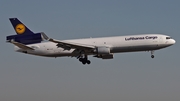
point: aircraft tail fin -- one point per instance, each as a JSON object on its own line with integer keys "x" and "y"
{"x": 24, "y": 35}
{"x": 19, "y": 27}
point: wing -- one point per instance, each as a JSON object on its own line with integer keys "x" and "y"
{"x": 69, "y": 45}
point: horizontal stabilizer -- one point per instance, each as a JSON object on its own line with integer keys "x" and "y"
{"x": 22, "y": 46}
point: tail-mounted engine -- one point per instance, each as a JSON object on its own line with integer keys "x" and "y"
{"x": 26, "y": 39}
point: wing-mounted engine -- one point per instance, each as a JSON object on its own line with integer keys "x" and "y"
{"x": 103, "y": 52}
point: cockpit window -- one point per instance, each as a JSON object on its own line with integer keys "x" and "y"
{"x": 168, "y": 37}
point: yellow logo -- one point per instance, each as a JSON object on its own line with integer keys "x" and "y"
{"x": 20, "y": 28}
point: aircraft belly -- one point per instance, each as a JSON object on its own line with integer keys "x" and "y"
{"x": 134, "y": 48}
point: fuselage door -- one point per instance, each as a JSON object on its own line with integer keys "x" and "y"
{"x": 160, "y": 40}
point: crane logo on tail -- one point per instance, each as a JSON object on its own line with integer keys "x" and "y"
{"x": 20, "y": 28}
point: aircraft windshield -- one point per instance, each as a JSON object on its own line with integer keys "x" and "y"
{"x": 168, "y": 37}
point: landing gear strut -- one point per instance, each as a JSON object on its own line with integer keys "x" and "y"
{"x": 152, "y": 54}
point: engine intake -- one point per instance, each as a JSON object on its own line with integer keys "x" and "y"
{"x": 102, "y": 50}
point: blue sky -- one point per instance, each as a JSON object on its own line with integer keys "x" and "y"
{"x": 128, "y": 77}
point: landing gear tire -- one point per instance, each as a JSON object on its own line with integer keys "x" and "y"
{"x": 88, "y": 62}
{"x": 80, "y": 59}
{"x": 152, "y": 56}
{"x": 84, "y": 61}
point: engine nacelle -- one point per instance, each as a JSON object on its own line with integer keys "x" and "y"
{"x": 102, "y": 50}
{"x": 105, "y": 56}
{"x": 110, "y": 56}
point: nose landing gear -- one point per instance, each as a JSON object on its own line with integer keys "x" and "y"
{"x": 152, "y": 54}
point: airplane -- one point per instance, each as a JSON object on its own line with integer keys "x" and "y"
{"x": 40, "y": 44}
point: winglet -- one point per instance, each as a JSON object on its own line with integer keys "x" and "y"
{"x": 44, "y": 36}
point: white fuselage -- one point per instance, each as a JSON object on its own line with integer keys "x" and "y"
{"x": 117, "y": 44}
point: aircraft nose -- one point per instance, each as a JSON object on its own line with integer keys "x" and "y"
{"x": 173, "y": 41}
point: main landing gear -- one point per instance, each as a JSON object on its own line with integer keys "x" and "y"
{"x": 152, "y": 54}
{"x": 84, "y": 59}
